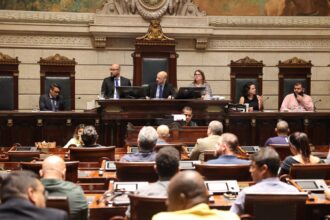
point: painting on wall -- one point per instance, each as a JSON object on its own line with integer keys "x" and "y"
{"x": 211, "y": 7}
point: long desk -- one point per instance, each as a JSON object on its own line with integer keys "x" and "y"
{"x": 112, "y": 118}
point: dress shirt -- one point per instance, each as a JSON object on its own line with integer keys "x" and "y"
{"x": 277, "y": 140}
{"x": 270, "y": 185}
{"x": 200, "y": 211}
{"x": 142, "y": 156}
{"x": 291, "y": 104}
{"x": 228, "y": 159}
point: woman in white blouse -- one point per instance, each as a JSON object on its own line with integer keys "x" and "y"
{"x": 76, "y": 139}
{"x": 200, "y": 81}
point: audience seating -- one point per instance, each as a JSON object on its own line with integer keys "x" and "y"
{"x": 283, "y": 150}
{"x": 94, "y": 154}
{"x": 224, "y": 171}
{"x": 71, "y": 169}
{"x": 275, "y": 206}
{"x": 143, "y": 208}
{"x": 210, "y": 155}
{"x": 136, "y": 171}
{"x": 310, "y": 171}
{"x": 58, "y": 202}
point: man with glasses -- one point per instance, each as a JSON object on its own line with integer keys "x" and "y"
{"x": 110, "y": 83}
{"x": 23, "y": 197}
{"x": 53, "y": 101}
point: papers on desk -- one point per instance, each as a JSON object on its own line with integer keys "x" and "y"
{"x": 179, "y": 117}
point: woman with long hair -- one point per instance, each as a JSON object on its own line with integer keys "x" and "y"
{"x": 250, "y": 96}
{"x": 200, "y": 81}
{"x": 76, "y": 139}
{"x": 301, "y": 151}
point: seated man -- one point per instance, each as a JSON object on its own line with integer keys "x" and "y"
{"x": 53, "y": 173}
{"x": 209, "y": 143}
{"x": 188, "y": 199}
{"x": 90, "y": 136}
{"x": 264, "y": 169}
{"x": 297, "y": 101}
{"x": 147, "y": 140}
{"x": 167, "y": 165}
{"x": 227, "y": 146}
{"x": 282, "y": 130}
{"x": 161, "y": 88}
{"x": 23, "y": 197}
{"x": 187, "y": 111}
{"x": 163, "y": 132}
{"x": 53, "y": 101}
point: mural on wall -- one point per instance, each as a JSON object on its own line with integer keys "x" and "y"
{"x": 211, "y": 7}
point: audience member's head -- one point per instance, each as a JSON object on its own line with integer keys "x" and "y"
{"x": 215, "y": 128}
{"x": 167, "y": 162}
{"x": 227, "y": 144}
{"x": 186, "y": 189}
{"x": 23, "y": 185}
{"x": 265, "y": 164}
{"x": 147, "y": 138}
{"x": 299, "y": 144}
{"x": 78, "y": 131}
{"x": 89, "y": 135}
{"x": 53, "y": 167}
{"x": 163, "y": 131}
{"x": 187, "y": 111}
{"x": 282, "y": 128}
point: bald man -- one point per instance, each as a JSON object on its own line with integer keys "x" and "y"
{"x": 53, "y": 174}
{"x": 161, "y": 88}
{"x": 227, "y": 147}
{"x": 163, "y": 132}
{"x": 282, "y": 130}
{"x": 214, "y": 131}
{"x": 188, "y": 199}
{"x": 114, "y": 80}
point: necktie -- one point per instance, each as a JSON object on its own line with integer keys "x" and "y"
{"x": 160, "y": 91}
{"x": 53, "y": 105}
{"x": 116, "y": 85}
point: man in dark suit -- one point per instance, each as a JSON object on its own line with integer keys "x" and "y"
{"x": 114, "y": 80}
{"x": 52, "y": 101}
{"x": 160, "y": 88}
{"x": 22, "y": 197}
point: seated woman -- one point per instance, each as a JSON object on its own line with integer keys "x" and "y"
{"x": 76, "y": 139}
{"x": 299, "y": 147}
{"x": 200, "y": 81}
{"x": 250, "y": 96}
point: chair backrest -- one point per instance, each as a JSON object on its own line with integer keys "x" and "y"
{"x": 210, "y": 155}
{"x": 143, "y": 208}
{"x": 276, "y": 206}
{"x": 224, "y": 171}
{"x": 310, "y": 171}
{"x": 92, "y": 154}
{"x": 58, "y": 202}
{"x": 283, "y": 150}
{"x": 71, "y": 169}
{"x": 136, "y": 171}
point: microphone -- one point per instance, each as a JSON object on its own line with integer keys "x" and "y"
{"x": 315, "y": 103}
{"x": 265, "y": 99}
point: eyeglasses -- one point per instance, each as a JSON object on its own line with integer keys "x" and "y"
{"x": 113, "y": 69}
{"x": 56, "y": 91}
{"x": 197, "y": 74}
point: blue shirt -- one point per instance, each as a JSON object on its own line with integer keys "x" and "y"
{"x": 148, "y": 156}
{"x": 277, "y": 140}
{"x": 228, "y": 159}
{"x": 269, "y": 185}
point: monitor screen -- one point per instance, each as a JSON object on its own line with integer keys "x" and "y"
{"x": 130, "y": 187}
{"x": 131, "y": 92}
{"x": 217, "y": 187}
{"x": 187, "y": 165}
{"x": 307, "y": 184}
{"x": 190, "y": 92}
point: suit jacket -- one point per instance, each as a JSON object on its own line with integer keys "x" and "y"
{"x": 46, "y": 105}
{"x": 203, "y": 144}
{"x": 168, "y": 90}
{"x": 108, "y": 85}
{"x": 22, "y": 209}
